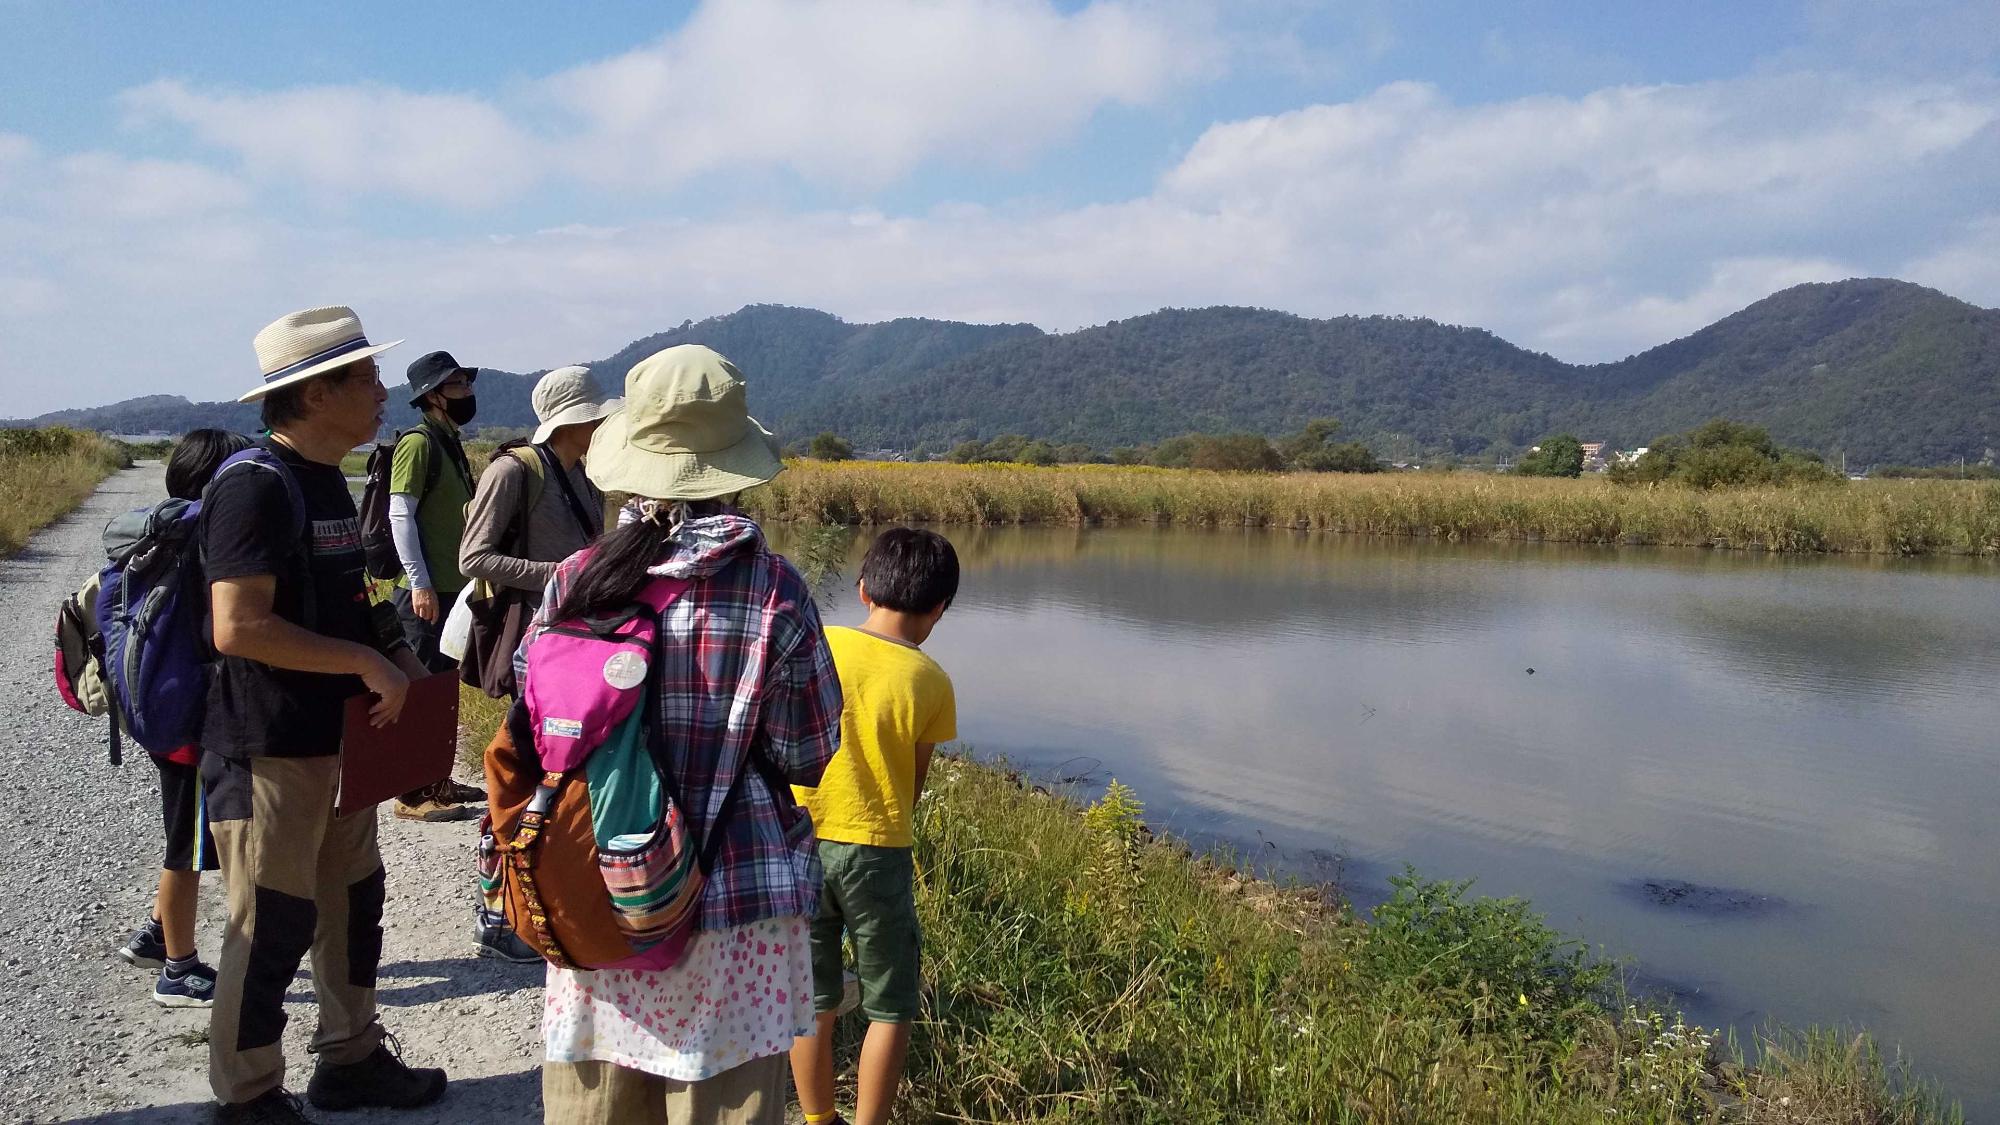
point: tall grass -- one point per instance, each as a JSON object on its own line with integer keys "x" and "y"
{"x": 1078, "y": 971}
{"x": 45, "y": 473}
{"x": 1876, "y": 517}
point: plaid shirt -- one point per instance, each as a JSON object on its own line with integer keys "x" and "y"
{"x": 744, "y": 665}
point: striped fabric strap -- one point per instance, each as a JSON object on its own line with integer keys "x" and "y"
{"x": 334, "y": 352}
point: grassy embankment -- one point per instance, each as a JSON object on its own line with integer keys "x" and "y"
{"x": 1077, "y": 969}
{"x": 1877, "y": 517}
{"x": 44, "y": 473}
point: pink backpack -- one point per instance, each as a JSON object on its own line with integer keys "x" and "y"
{"x": 585, "y": 683}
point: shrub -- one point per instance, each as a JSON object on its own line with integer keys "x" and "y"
{"x": 829, "y": 446}
{"x": 1558, "y": 456}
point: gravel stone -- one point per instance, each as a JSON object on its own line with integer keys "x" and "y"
{"x": 78, "y": 875}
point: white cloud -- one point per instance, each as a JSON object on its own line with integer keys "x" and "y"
{"x": 355, "y": 140}
{"x": 1967, "y": 266}
{"x": 858, "y": 92}
{"x": 853, "y": 93}
{"x": 1589, "y": 227}
{"x": 1593, "y": 225}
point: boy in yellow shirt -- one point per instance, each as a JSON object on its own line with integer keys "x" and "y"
{"x": 899, "y": 706}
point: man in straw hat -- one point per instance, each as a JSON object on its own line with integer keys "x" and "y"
{"x": 746, "y": 704}
{"x": 298, "y": 637}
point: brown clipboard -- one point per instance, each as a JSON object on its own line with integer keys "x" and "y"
{"x": 377, "y": 763}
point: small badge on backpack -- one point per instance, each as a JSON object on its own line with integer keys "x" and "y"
{"x": 562, "y": 728}
{"x": 625, "y": 670}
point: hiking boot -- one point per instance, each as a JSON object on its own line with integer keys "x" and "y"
{"x": 381, "y": 1079}
{"x": 452, "y": 793}
{"x": 148, "y": 947}
{"x": 491, "y": 937}
{"x": 272, "y": 1107}
{"x": 430, "y": 804}
{"x": 192, "y": 989}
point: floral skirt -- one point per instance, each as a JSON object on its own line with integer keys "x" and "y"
{"x": 737, "y": 995}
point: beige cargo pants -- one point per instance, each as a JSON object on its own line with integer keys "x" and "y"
{"x": 300, "y": 879}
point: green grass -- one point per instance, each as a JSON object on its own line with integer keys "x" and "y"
{"x": 46, "y": 473}
{"x": 1078, "y": 969}
{"x": 1874, "y": 517}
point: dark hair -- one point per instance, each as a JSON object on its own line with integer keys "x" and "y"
{"x": 196, "y": 457}
{"x": 616, "y": 572}
{"x": 288, "y": 403}
{"x": 911, "y": 570}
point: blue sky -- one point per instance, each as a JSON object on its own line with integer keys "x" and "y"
{"x": 530, "y": 185}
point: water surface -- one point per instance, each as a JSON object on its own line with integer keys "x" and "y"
{"x": 1818, "y": 731}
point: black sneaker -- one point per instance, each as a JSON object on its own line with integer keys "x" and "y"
{"x": 148, "y": 947}
{"x": 491, "y": 937}
{"x": 273, "y": 1107}
{"x": 381, "y": 1079}
{"x": 192, "y": 989}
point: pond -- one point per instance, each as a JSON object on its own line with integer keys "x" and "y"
{"x": 1769, "y": 782}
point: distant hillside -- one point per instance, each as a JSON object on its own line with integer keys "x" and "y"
{"x": 1881, "y": 370}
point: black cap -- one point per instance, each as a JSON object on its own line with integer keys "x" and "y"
{"x": 430, "y": 371}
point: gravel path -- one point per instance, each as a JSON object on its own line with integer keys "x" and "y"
{"x": 77, "y": 872}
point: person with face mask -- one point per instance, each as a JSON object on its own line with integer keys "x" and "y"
{"x": 430, "y": 484}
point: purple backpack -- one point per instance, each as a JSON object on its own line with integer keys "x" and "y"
{"x": 151, "y": 600}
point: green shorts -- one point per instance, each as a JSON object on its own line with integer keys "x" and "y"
{"x": 871, "y": 893}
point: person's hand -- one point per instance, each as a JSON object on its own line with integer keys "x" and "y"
{"x": 389, "y": 686}
{"x": 424, "y": 603}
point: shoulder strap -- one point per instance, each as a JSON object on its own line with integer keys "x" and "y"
{"x": 432, "y": 467}
{"x": 270, "y": 462}
{"x": 518, "y": 545}
{"x": 657, "y": 596}
{"x": 577, "y": 508}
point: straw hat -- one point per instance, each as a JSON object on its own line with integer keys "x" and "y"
{"x": 566, "y": 396}
{"x": 684, "y": 433}
{"x": 297, "y": 346}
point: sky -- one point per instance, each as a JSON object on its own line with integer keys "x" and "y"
{"x": 529, "y": 185}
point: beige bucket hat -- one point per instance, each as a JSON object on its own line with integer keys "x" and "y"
{"x": 297, "y": 346}
{"x": 685, "y": 432}
{"x": 566, "y": 396}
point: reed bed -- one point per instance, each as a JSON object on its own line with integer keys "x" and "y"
{"x": 1904, "y": 517}
{"x": 47, "y": 472}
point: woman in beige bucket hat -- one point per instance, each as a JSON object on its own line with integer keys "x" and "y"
{"x": 743, "y": 703}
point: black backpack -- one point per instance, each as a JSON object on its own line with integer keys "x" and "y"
{"x": 378, "y": 546}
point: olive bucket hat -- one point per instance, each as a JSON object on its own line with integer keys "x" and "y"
{"x": 685, "y": 432}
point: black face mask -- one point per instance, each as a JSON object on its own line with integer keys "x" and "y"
{"x": 461, "y": 410}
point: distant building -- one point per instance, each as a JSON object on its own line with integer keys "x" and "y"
{"x": 1593, "y": 456}
{"x": 1631, "y": 455}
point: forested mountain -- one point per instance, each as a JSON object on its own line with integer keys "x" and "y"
{"x": 1878, "y": 370}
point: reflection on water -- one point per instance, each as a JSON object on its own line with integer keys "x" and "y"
{"x": 1816, "y": 730}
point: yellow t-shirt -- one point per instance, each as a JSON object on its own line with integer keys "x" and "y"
{"x": 895, "y": 698}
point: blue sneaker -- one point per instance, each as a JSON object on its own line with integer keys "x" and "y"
{"x": 148, "y": 947}
{"x": 192, "y": 989}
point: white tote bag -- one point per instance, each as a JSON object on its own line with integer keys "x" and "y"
{"x": 458, "y": 624}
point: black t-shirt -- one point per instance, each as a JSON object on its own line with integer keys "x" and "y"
{"x": 248, "y": 528}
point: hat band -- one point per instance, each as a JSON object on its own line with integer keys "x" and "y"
{"x": 334, "y": 352}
